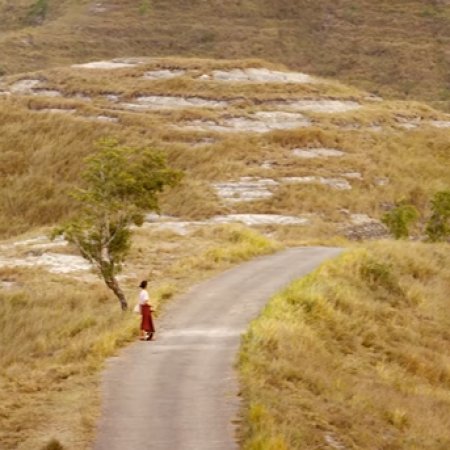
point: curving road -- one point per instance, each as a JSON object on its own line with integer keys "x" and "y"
{"x": 180, "y": 391}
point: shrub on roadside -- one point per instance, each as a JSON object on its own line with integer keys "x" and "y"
{"x": 438, "y": 226}
{"x": 400, "y": 219}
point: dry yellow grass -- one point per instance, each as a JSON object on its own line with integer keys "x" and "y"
{"x": 396, "y": 47}
{"x": 354, "y": 355}
{"x": 56, "y": 331}
{"x": 40, "y": 164}
{"x": 45, "y": 373}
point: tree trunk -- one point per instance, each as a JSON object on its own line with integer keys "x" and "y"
{"x": 113, "y": 284}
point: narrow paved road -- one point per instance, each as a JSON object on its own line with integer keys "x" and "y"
{"x": 180, "y": 391}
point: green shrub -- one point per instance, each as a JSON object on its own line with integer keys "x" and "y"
{"x": 377, "y": 274}
{"x": 38, "y": 11}
{"x": 400, "y": 219}
{"x": 144, "y": 7}
{"x": 438, "y": 226}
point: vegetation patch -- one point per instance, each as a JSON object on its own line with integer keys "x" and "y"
{"x": 247, "y": 138}
{"x": 352, "y": 41}
{"x": 57, "y": 330}
{"x": 354, "y": 356}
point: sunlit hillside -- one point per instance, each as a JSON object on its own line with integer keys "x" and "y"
{"x": 397, "y": 48}
{"x": 250, "y": 140}
{"x": 300, "y": 158}
{"x": 294, "y": 123}
{"x": 354, "y": 356}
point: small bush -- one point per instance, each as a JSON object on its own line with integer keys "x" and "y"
{"x": 54, "y": 444}
{"x": 400, "y": 219}
{"x": 438, "y": 226}
{"x": 38, "y": 11}
{"x": 377, "y": 275}
{"x": 144, "y": 7}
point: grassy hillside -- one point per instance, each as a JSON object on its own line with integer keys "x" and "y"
{"x": 354, "y": 356}
{"x": 390, "y": 150}
{"x": 57, "y": 329}
{"x": 392, "y": 47}
{"x": 247, "y": 147}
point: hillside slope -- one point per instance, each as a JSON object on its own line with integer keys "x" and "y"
{"x": 252, "y": 138}
{"x": 396, "y": 48}
{"x": 354, "y": 356}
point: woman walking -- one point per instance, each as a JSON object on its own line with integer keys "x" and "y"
{"x": 147, "y": 326}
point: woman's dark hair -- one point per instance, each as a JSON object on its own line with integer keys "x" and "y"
{"x": 143, "y": 284}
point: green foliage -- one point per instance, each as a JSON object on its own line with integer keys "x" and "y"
{"x": 438, "y": 226}
{"x": 120, "y": 185}
{"x": 144, "y": 7}
{"x": 38, "y": 11}
{"x": 379, "y": 275}
{"x": 124, "y": 181}
{"x": 400, "y": 219}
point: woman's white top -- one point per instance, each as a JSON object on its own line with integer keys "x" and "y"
{"x": 143, "y": 297}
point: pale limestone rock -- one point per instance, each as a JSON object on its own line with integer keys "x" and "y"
{"x": 38, "y": 242}
{"x": 409, "y": 123}
{"x": 352, "y": 175}
{"x": 319, "y": 106}
{"x": 440, "y": 123}
{"x": 309, "y": 153}
{"x": 105, "y": 65}
{"x": 340, "y": 184}
{"x": 259, "y": 122}
{"x": 84, "y": 97}
{"x": 112, "y": 97}
{"x": 167, "y": 102}
{"x": 245, "y": 189}
{"x": 56, "y": 110}
{"x": 103, "y": 118}
{"x": 164, "y": 74}
{"x": 260, "y": 219}
{"x": 362, "y": 219}
{"x": 254, "y": 75}
{"x": 47, "y": 92}
{"x": 24, "y": 86}
{"x": 5, "y": 284}
{"x": 53, "y": 262}
{"x": 382, "y": 181}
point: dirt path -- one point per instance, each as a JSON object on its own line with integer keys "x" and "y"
{"x": 180, "y": 391}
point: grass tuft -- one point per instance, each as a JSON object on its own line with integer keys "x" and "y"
{"x": 54, "y": 444}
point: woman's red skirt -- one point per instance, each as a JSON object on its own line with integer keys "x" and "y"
{"x": 147, "y": 320}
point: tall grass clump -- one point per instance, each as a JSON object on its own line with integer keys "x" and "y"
{"x": 438, "y": 226}
{"x": 236, "y": 244}
{"x": 55, "y": 337}
{"x": 38, "y": 11}
{"x": 354, "y": 355}
{"x": 241, "y": 244}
